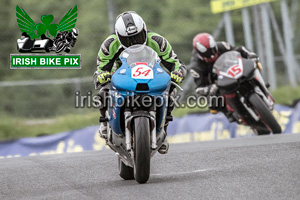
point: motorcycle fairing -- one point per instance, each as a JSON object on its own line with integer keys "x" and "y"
{"x": 122, "y": 84}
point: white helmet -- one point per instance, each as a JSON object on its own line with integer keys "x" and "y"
{"x": 75, "y": 32}
{"x": 130, "y": 29}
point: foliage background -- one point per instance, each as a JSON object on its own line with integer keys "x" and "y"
{"x": 175, "y": 20}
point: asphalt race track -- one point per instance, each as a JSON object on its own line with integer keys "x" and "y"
{"x": 265, "y": 167}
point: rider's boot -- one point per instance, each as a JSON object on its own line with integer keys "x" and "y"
{"x": 165, "y": 146}
{"x": 67, "y": 50}
{"x": 213, "y": 111}
{"x": 230, "y": 116}
{"x": 103, "y": 124}
{"x": 103, "y": 130}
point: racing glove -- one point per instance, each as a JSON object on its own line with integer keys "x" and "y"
{"x": 101, "y": 78}
{"x": 253, "y": 57}
{"x": 210, "y": 90}
{"x": 176, "y": 76}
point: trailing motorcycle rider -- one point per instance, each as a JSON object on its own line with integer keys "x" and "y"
{"x": 205, "y": 52}
{"x": 65, "y": 37}
{"x": 130, "y": 29}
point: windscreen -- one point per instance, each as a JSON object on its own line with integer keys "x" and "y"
{"x": 227, "y": 60}
{"x": 140, "y": 54}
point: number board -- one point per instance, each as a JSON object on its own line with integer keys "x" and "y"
{"x": 235, "y": 71}
{"x": 142, "y": 71}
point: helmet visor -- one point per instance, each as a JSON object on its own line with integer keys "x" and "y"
{"x": 211, "y": 52}
{"x": 128, "y": 41}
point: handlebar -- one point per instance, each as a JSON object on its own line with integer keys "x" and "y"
{"x": 176, "y": 85}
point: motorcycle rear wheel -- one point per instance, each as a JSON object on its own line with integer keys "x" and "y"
{"x": 262, "y": 132}
{"x": 142, "y": 153}
{"x": 265, "y": 114}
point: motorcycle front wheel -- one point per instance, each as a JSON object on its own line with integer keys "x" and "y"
{"x": 60, "y": 47}
{"x": 142, "y": 151}
{"x": 264, "y": 114}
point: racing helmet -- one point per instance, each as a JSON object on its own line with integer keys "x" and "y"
{"x": 130, "y": 29}
{"x": 206, "y": 47}
{"x": 75, "y": 32}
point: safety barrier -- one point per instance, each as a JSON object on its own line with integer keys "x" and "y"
{"x": 190, "y": 128}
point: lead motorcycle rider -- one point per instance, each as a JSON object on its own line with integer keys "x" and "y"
{"x": 130, "y": 29}
{"x": 205, "y": 52}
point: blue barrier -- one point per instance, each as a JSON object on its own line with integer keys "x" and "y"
{"x": 190, "y": 128}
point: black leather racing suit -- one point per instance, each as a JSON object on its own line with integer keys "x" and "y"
{"x": 202, "y": 71}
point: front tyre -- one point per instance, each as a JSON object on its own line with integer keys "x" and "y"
{"x": 60, "y": 47}
{"x": 125, "y": 171}
{"x": 142, "y": 151}
{"x": 264, "y": 113}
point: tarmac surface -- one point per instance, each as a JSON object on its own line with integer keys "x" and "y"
{"x": 262, "y": 167}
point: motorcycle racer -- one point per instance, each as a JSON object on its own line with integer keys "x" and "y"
{"x": 130, "y": 29}
{"x": 205, "y": 52}
{"x": 66, "y": 37}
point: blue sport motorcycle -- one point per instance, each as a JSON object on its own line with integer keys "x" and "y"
{"x": 137, "y": 110}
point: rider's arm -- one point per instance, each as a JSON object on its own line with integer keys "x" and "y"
{"x": 199, "y": 71}
{"x": 224, "y": 47}
{"x": 200, "y": 79}
{"x": 165, "y": 52}
{"x": 246, "y": 53}
{"x": 108, "y": 53}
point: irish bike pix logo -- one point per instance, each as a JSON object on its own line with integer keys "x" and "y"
{"x": 38, "y": 40}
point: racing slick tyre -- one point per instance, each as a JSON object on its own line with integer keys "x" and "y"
{"x": 264, "y": 114}
{"x": 125, "y": 171}
{"x": 142, "y": 153}
{"x": 60, "y": 47}
{"x": 262, "y": 132}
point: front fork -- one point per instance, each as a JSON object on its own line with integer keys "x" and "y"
{"x": 153, "y": 132}
{"x": 262, "y": 91}
{"x": 128, "y": 130}
{"x": 128, "y": 119}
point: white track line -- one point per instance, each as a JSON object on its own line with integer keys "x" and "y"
{"x": 182, "y": 173}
